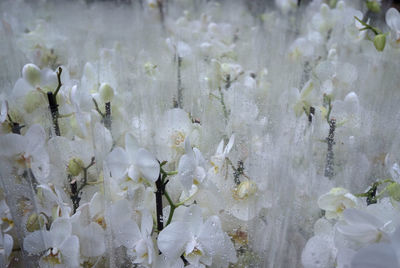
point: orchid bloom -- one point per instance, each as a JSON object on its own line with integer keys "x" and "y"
{"x": 336, "y": 201}
{"x": 218, "y": 160}
{"x": 191, "y": 167}
{"x": 60, "y": 246}
{"x": 133, "y": 161}
{"x": 28, "y": 151}
{"x": 199, "y": 241}
{"x": 393, "y": 21}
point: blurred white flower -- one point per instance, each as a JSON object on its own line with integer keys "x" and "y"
{"x": 134, "y": 161}
{"x": 336, "y": 201}
{"x": 191, "y": 168}
{"x": 59, "y": 245}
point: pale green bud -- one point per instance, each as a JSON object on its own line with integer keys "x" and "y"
{"x": 245, "y": 189}
{"x": 33, "y": 223}
{"x": 394, "y": 191}
{"x": 380, "y": 41}
{"x": 75, "y": 166}
{"x": 33, "y": 100}
{"x": 106, "y": 92}
{"x": 31, "y": 73}
{"x": 374, "y": 6}
{"x": 150, "y": 68}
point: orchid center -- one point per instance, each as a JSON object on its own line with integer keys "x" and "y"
{"x": 178, "y": 138}
{"x": 53, "y": 256}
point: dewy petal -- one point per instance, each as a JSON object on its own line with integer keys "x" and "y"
{"x": 131, "y": 146}
{"x": 318, "y": 252}
{"x": 147, "y": 164}
{"x": 117, "y": 161}
{"x": 229, "y": 145}
{"x": 70, "y": 251}
{"x": 211, "y": 236}
{"x": 41, "y": 164}
{"x": 199, "y": 157}
{"x": 96, "y": 204}
{"x": 3, "y": 111}
{"x": 11, "y": 144}
{"x": 133, "y": 172}
{"x": 37, "y": 242}
{"x": 8, "y": 244}
{"x": 188, "y": 148}
{"x": 120, "y": 211}
{"x": 102, "y": 141}
{"x": 92, "y": 240}
{"x": 146, "y": 224}
{"x": 194, "y": 217}
{"x": 393, "y": 19}
{"x": 36, "y": 137}
{"x": 126, "y": 233}
{"x": 220, "y": 148}
{"x": 172, "y": 239}
{"x": 186, "y": 169}
{"x": 379, "y": 255}
{"x": 60, "y": 230}
{"x": 355, "y": 217}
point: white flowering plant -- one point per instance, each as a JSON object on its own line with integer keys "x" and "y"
{"x": 199, "y": 134}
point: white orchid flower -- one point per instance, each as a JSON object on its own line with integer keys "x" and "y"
{"x": 199, "y": 241}
{"x": 218, "y": 159}
{"x": 362, "y": 227}
{"x": 393, "y": 21}
{"x": 336, "y": 201}
{"x": 126, "y": 232}
{"x": 175, "y": 126}
{"x": 191, "y": 168}
{"x": 59, "y": 245}
{"x": 379, "y": 255}
{"x": 88, "y": 224}
{"x": 133, "y": 161}
{"x": 27, "y": 151}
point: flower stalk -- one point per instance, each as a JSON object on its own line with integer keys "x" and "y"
{"x": 75, "y": 190}
{"x": 53, "y": 106}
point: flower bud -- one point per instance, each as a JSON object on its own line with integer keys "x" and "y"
{"x": 374, "y": 6}
{"x": 31, "y": 74}
{"x": 380, "y": 41}
{"x": 75, "y": 166}
{"x": 106, "y": 92}
{"x": 33, "y": 223}
{"x": 394, "y": 191}
{"x": 245, "y": 189}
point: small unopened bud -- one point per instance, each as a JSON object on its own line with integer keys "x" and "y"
{"x": 33, "y": 223}
{"x": 245, "y": 189}
{"x": 75, "y": 166}
{"x": 31, "y": 74}
{"x": 106, "y": 92}
{"x": 380, "y": 41}
{"x": 152, "y": 3}
{"x": 394, "y": 191}
{"x": 374, "y": 6}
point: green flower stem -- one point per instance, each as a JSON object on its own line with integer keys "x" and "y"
{"x": 368, "y": 27}
{"x": 173, "y": 207}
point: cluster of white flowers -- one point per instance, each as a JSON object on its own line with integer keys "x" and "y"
{"x": 199, "y": 134}
{"x": 359, "y": 230}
